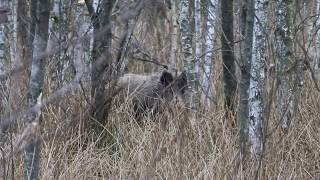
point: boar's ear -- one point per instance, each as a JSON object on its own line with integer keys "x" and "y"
{"x": 166, "y": 78}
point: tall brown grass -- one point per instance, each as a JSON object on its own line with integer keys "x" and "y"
{"x": 168, "y": 147}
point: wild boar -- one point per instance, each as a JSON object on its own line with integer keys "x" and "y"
{"x": 147, "y": 91}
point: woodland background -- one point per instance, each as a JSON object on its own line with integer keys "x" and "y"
{"x": 252, "y": 68}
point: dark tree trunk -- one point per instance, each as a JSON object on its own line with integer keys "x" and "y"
{"x": 230, "y": 83}
{"x": 32, "y": 28}
{"x": 101, "y": 49}
{"x": 32, "y": 151}
{"x": 22, "y": 32}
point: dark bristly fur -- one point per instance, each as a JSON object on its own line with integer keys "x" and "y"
{"x": 146, "y": 91}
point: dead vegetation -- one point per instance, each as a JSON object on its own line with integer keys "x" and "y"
{"x": 168, "y": 148}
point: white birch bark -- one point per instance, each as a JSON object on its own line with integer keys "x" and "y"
{"x": 2, "y": 71}
{"x": 311, "y": 45}
{"x": 95, "y": 4}
{"x": 189, "y": 64}
{"x": 2, "y": 52}
{"x": 4, "y": 6}
{"x": 174, "y": 34}
{"x": 247, "y": 24}
{"x": 197, "y": 28}
{"x": 78, "y": 55}
{"x": 208, "y": 64}
{"x": 257, "y": 80}
{"x": 13, "y": 33}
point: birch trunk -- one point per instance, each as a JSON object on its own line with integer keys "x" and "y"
{"x": 94, "y": 4}
{"x": 13, "y": 31}
{"x": 285, "y": 61}
{"x": 78, "y": 54}
{"x": 227, "y": 38}
{"x": 247, "y": 18}
{"x": 174, "y": 35}
{"x": 256, "y": 118}
{"x": 208, "y": 64}
{"x": 310, "y": 32}
{"x": 2, "y": 54}
{"x": 189, "y": 63}
{"x": 197, "y": 28}
{"x": 310, "y": 18}
{"x": 32, "y": 151}
{"x": 4, "y": 9}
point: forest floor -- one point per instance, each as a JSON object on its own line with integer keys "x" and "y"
{"x": 170, "y": 148}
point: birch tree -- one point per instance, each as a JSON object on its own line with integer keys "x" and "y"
{"x": 246, "y": 26}
{"x": 208, "y": 64}
{"x": 174, "y": 34}
{"x": 256, "y": 119}
{"x": 2, "y": 52}
{"x": 79, "y": 52}
{"x": 285, "y": 61}
{"x": 13, "y": 31}
{"x": 189, "y": 63}
{"x": 32, "y": 151}
{"x": 4, "y": 9}
{"x": 309, "y": 26}
{"x": 2, "y": 55}
{"x": 197, "y": 28}
{"x": 227, "y": 38}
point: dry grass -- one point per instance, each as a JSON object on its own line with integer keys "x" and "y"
{"x": 169, "y": 148}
